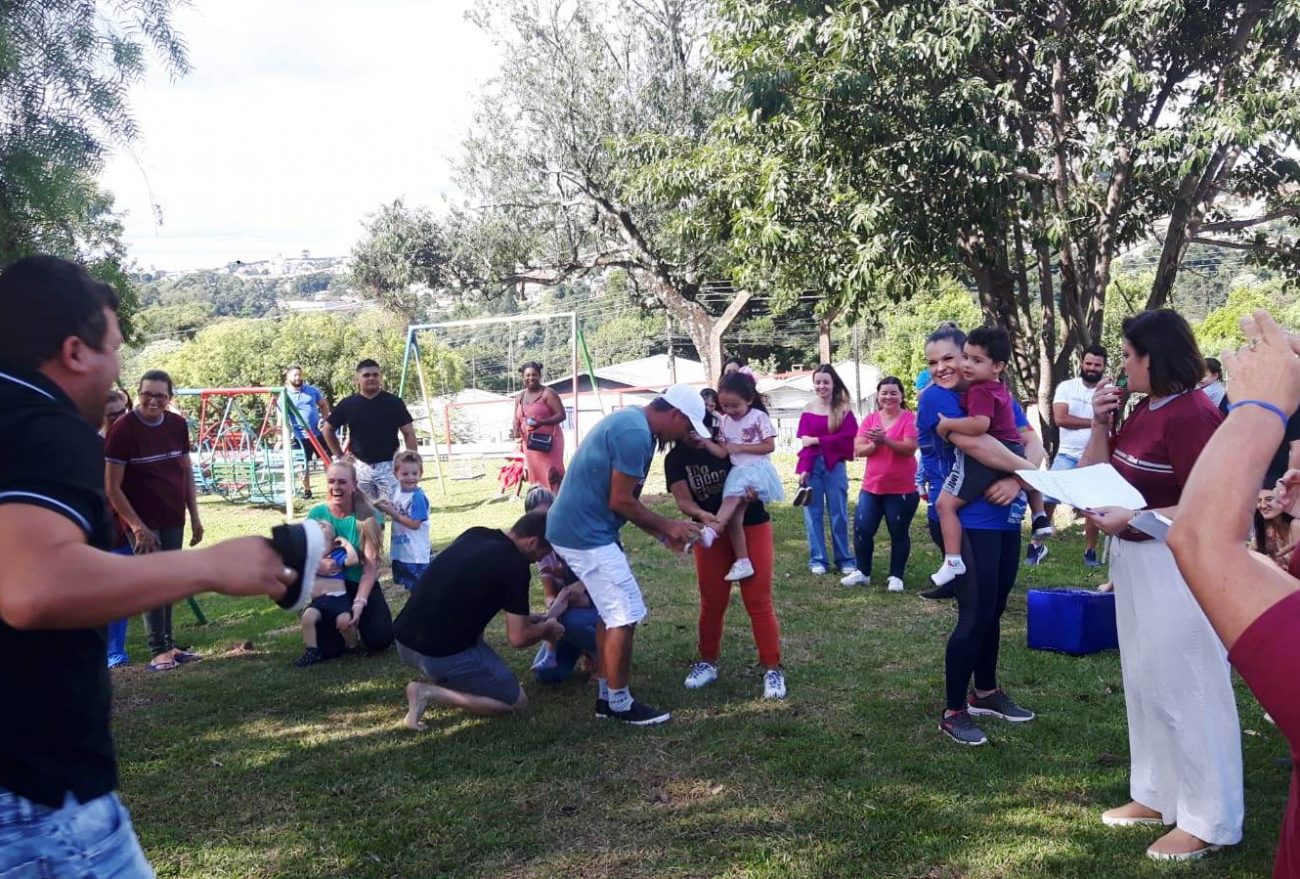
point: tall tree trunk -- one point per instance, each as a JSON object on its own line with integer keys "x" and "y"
{"x": 824, "y": 325}
{"x": 705, "y": 330}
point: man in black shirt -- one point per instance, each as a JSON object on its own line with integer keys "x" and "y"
{"x": 440, "y": 631}
{"x": 59, "y": 341}
{"x": 373, "y": 418}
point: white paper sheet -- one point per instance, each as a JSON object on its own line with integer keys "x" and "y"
{"x": 1151, "y": 522}
{"x": 1086, "y": 488}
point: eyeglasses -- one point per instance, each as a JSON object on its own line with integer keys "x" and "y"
{"x": 151, "y": 396}
{"x": 115, "y": 413}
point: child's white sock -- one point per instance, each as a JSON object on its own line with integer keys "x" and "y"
{"x": 952, "y": 568}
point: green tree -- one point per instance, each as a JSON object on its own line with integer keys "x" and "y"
{"x": 1222, "y": 327}
{"x": 589, "y": 96}
{"x": 1026, "y": 145}
{"x": 66, "y": 68}
{"x": 401, "y": 258}
{"x": 899, "y": 349}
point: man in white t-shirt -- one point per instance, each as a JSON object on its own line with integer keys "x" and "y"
{"x": 1072, "y": 412}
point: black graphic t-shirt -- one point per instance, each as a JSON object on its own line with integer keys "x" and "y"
{"x": 705, "y": 475}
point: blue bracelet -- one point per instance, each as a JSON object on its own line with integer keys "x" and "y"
{"x": 1263, "y": 405}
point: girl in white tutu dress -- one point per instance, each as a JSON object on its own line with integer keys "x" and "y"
{"x": 747, "y": 437}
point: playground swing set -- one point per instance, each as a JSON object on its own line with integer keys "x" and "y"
{"x": 244, "y": 456}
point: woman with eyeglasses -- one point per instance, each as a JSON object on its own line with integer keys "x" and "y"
{"x": 150, "y": 485}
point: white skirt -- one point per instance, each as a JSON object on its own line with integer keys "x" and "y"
{"x": 1184, "y": 736}
{"x": 761, "y": 476}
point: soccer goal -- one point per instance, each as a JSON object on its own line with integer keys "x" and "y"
{"x": 469, "y": 417}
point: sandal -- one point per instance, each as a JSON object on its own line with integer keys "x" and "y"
{"x": 165, "y": 665}
{"x": 184, "y": 656}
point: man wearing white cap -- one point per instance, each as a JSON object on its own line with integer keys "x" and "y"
{"x": 601, "y": 492}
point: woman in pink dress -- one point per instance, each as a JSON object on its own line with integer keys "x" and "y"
{"x": 539, "y": 415}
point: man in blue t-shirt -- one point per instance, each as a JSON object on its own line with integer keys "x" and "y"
{"x": 600, "y": 493}
{"x": 311, "y": 407}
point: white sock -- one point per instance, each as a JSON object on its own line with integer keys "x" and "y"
{"x": 602, "y": 689}
{"x": 620, "y": 699}
{"x": 954, "y": 562}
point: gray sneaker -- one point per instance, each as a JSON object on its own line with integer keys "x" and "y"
{"x": 961, "y": 729}
{"x": 998, "y": 704}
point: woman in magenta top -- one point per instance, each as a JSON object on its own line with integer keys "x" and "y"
{"x": 826, "y": 431}
{"x": 887, "y": 439}
{"x": 1184, "y": 738}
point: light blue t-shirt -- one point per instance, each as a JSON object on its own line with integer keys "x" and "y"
{"x": 307, "y": 402}
{"x": 937, "y": 458}
{"x": 581, "y": 517}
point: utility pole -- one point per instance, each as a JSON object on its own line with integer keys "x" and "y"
{"x": 857, "y": 368}
{"x": 668, "y": 335}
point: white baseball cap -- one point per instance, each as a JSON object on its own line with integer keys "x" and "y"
{"x": 687, "y": 400}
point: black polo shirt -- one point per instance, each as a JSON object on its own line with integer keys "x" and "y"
{"x": 55, "y": 685}
{"x": 372, "y": 424}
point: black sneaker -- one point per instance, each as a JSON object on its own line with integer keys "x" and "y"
{"x": 940, "y": 593}
{"x": 640, "y": 714}
{"x": 602, "y": 709}
{"x": 310, "y": 656}
{"x": 300, "y": 547}
{"x": 1043, "y": 526}
{"x": 998, "y": 704}
{"x": 961, "y": 729}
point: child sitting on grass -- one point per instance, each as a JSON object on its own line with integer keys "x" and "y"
{"x": 329, "y": 596}
{"x": 560, "y": 586}
{"x": 408, "y": 507}
{"x": 988, "y": 407}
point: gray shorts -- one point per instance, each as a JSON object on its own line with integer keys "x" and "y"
{"x": 477, "y": 671}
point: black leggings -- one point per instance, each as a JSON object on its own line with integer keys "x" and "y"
{"x": 897, "y": 512}
{"x": 376, "y": 628}
{"x": 992, "y": 561}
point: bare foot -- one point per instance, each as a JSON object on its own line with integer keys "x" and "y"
{"x": 417, "y": 704}
{"x": 1179, "y": 845}
{"x": 1131, "y": 815}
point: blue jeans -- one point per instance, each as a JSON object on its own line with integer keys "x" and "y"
{"x": 830, "y": 495}
{"x": 93, "y": 840}
{"x": 896, "y": 511}
{"x": 117, "y": 629}
{"x": 579, "y": 638}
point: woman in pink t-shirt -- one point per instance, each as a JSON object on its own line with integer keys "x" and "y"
{"x": 887, "y": 439}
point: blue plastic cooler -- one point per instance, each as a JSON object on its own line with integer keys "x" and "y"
{"x": 1074, "y": 621}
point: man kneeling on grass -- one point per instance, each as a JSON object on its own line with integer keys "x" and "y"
{"x": 440, "y": 631}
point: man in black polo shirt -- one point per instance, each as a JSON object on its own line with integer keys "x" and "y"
{"x": 440, "y": 631}
{"x": 373, "y": 418}
{"x": 59, "y": 586}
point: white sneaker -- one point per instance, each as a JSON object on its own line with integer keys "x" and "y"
{"x": 857, "y": 578}
{"x": 948, "y": 571}
{"x": 702, "y": 674}
{"x": 895, "y": 585}
{"x": 743, "y": 569}
{"x": 774, "y": 684}
{"x": 817, "y": 570}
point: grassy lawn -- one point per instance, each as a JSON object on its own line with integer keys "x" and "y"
{"x": 243, "y": 766}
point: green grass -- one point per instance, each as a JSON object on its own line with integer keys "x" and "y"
{"x": 243, "y": 766}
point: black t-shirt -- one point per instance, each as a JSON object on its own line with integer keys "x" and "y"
{"x": 479, "y": 575}
{"x": 705, "y": 475}
{"x": 372, "y": 424}
{"x": 1279, "y": 463}
{"x": 55, "y": 686}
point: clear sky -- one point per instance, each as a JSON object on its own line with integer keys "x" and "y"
{"x": 300, "y": 117}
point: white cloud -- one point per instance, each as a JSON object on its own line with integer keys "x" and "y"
{"x": 300, "y": 117}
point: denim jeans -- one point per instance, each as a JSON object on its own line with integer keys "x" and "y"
{"x": 579, "y": 638}
{"x": 830, "y": 496}
{"x": 93, "y": 840}
{"x": 896, "y": 511}
{"x": 117, "y": 630}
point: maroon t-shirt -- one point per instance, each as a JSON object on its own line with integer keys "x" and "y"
{"x": 1156, "y": 449}
{"x": 1267, "y": 656}
{"x": 992, "y": 400}
{"x": 155, "y": 476}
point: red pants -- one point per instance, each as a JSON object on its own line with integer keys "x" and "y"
{"x": 711, "y": 566}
